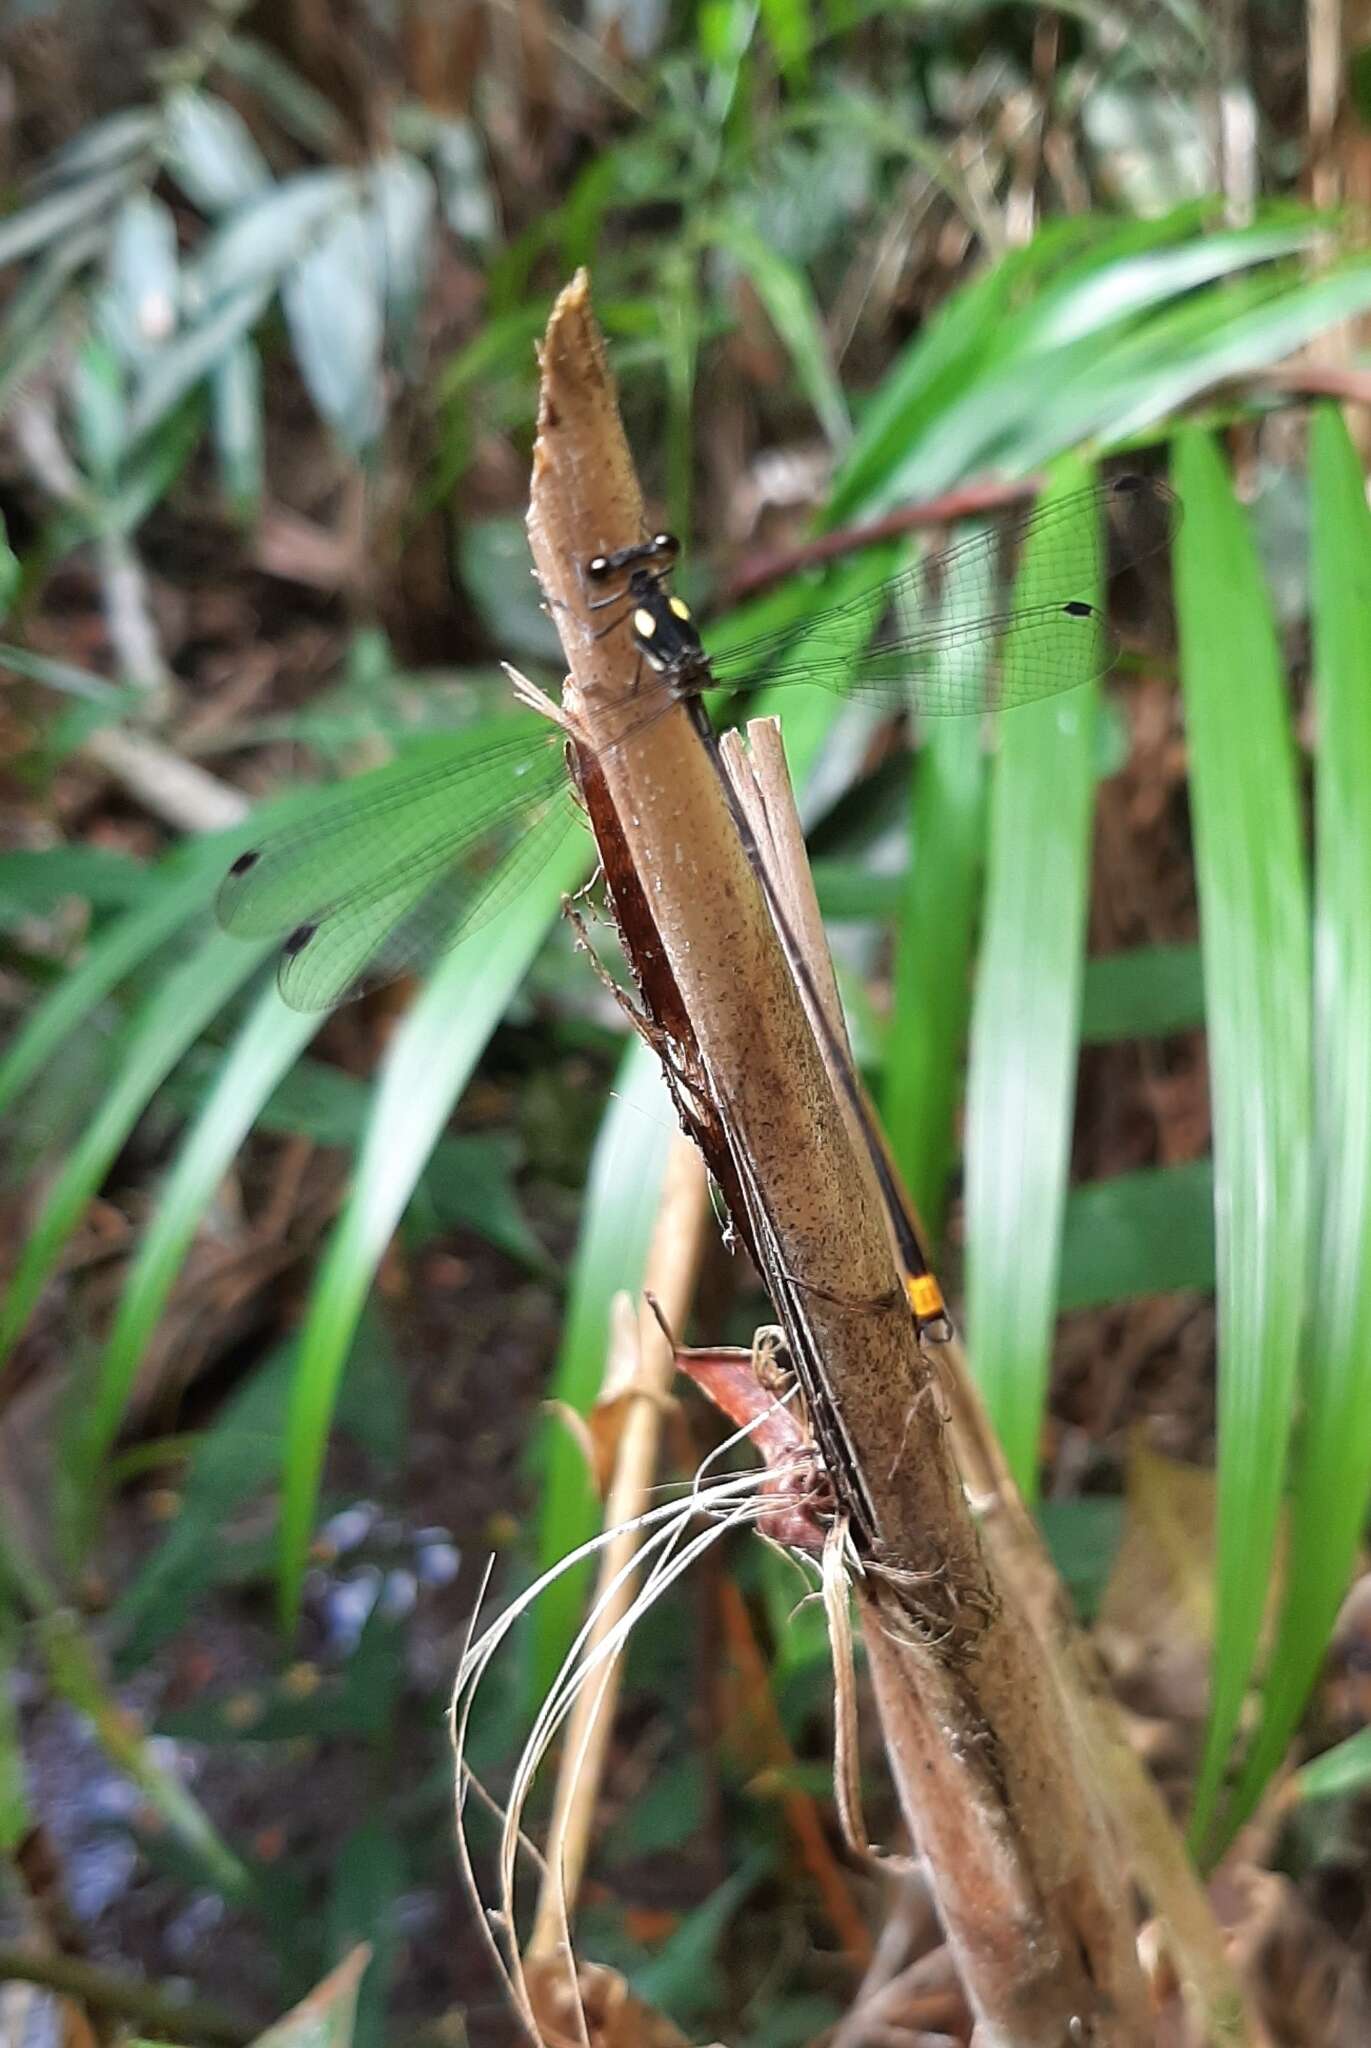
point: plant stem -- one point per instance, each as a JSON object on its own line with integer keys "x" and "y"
{"x": 993, "y": 1785}
{"x": 154, "y": 2010}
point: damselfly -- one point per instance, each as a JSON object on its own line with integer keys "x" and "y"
{"x": 405, "y": 861}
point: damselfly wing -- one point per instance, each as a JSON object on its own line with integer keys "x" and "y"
{"x": 407, "y": 860}
{"x": 402, "y": 862}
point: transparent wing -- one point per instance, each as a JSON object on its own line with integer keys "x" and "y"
{"x": 371, "y": 939}
{"x": 1000, "y": 618}
{"x": 398, "y": 863}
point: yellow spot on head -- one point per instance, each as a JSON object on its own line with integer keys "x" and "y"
{"x": 680, "y": 607}
{"x": 644, "y": 625}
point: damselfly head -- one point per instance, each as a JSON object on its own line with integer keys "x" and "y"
{"x": 663, "y": 548}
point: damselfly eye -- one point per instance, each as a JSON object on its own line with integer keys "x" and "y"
{"x": 666, "y": 544}
{"x": 597, "y": 568}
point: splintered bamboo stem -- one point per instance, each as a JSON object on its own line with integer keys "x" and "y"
{"x": 673, "y": 1264}
{"x": 977, "y": 1732}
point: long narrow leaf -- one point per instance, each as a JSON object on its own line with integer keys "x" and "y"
{"x": 1332, "y": 1467}
{"x": 169, "y": 1022}
{"x": 180, "y": 893}
{"x": 784, "y": 290}
{"x": 1000, "y": 377}
{"x": 60, "y": 213}
{"x": 1264, "y": 334}
{"x": 428, "y": 1064}
{"x": 933, "y": 373}
{"x": 333, "y": 302}
{"x": 1254, "y": 937}
{"x": 1024, "y": 1043}
{"x": 186, "y": 360}
{"x": 268, "y": 1044}
{"x": 935, "y": 939}
{"x": 1097, "y": 298}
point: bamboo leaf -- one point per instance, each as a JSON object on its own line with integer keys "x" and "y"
{"x": 185, "y": 361}
{"x": 1254, "y": 939}
{"x": 403, "y": 203}
{"x": 267, "y": 1046}
{"x": 428, "y": 1064}
{"x": 790, "y": 32}
{"x": 1094, "y": 299}
{"x": 1024, "y": 1040}
{"x": 333, "y": 304}
{"x": 258, "y": 243}
{"x": 99, "y": 145}
{"x": 57, "y": 215}
{"x": 931, "y": 376}
{"x": 177, "y": 893}
{"x": 16, "y": 1818}
{"x": 1339, "y": 1773}
{"x": 33, "y": 879}
{"x": 168, "y": 1023}
{"x": 10, "y": 572}
{"x": 784, "y": 291}
{"x": 210, "y": 153}
{"x": 300, "y": 107}
{"x": 1332, "y": 1463}
{"x": 144, "y": 277}
{"x": 935, "y": 937}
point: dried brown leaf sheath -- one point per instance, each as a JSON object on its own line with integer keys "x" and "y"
{"x": 1032, "y": 1901}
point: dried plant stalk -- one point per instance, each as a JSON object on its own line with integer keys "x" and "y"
{"x": 673, "y": 1264}
{"x": 977, "y": 1732}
